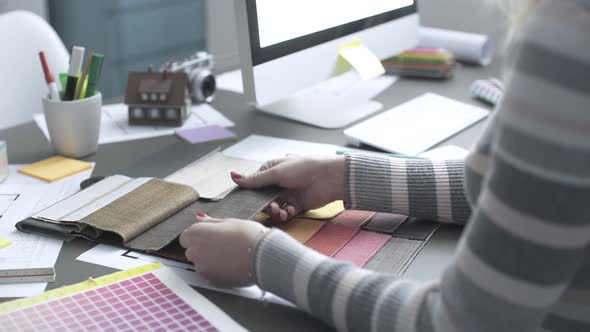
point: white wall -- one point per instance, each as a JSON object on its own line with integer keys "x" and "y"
{"x": 221, "y": 34}
{"x": 36, "y": 6}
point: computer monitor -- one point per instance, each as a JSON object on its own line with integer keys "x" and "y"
{"x": 287, "y": 46}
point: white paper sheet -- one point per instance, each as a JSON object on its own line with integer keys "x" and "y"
{"x": 230, "y": 81}
{"x": 264, "y": 148}
{"x": 417, "y": 125}
{"x": 29, "y": 250}
{"x": 468, "y": 47}
{"x": 123, "y": 259}
{"x": 210, "y": 175}
{"x": 446, "y": 153}
{"x": 115, "y": 126}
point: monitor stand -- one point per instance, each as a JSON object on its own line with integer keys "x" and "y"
{"x": 333, "y": 104}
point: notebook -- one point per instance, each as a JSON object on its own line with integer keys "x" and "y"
{"x": 417, "y": 125}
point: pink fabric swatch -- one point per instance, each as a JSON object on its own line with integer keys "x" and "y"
{"x": 353, "y": 218}
{"x": 362, "y": 247}
{"x": 331, "y": 238}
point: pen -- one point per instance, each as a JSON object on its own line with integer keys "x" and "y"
{"x": 74, "y": 72}
{"x": 94, "y": 74}
{"x": 53, "y": 91}
{"x": 82, "y": 79}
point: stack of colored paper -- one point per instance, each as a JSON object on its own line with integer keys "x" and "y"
{"x": 421, "y": 62}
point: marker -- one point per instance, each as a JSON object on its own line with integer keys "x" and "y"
{"x": 82, "y": 79}
{"x": 94, "y": 74}
{"x": 74, "y": 72}
{"x": 53, "y": 90}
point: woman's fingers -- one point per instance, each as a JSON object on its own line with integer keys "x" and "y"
{"x": 284, "y": 207}
{"x": 257, "y": 179}
{"x": 202, "y": 217}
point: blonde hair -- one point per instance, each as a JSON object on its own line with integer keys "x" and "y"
{"x": 516, "y": 12}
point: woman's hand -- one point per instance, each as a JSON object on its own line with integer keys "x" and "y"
{"x": 222, "y": 249}
{"x": 311, "y": 183}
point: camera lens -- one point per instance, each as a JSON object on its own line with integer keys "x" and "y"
{"x": 208, "y": 86}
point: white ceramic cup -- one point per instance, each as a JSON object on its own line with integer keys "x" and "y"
{"x": 74, "y": 125}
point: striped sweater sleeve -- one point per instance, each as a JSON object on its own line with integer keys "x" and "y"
{"x": 421, "y": 188}
{"x": 529, "y": 229}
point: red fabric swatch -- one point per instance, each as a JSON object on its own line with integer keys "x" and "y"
{"x": 331, "y": 238}
{"x": 362, "y": 247}
{"x": 353, "y": 218}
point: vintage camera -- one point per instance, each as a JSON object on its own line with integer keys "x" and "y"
{"x": 198, "y": 68}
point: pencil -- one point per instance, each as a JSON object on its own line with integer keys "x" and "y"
{"x": 80, "y": 85}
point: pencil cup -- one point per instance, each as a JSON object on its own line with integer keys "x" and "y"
{"x": 74, "y": 126}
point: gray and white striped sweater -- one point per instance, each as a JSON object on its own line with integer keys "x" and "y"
{"x": 523, "y": 263}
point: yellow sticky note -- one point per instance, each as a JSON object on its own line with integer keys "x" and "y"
{"x": 55, "y": 168}
{"x": 327, "y": 212}
{"x": 302, "y": 229}
{"x": 362, "y": 59}
{"x": 4, "y": 243}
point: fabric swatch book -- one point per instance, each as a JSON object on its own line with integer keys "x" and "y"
{"x": 145, "y": 214}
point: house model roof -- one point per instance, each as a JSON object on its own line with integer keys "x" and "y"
{"x": 174, "y": 86}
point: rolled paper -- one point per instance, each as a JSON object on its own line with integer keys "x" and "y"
{"x": 467, "y": 47}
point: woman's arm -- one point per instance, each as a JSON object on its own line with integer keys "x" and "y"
{"x": 416, "y": 187}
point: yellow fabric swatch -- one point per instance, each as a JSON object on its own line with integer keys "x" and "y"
{"x": 4, "y": 243}
{"x": 302, "y": 229}
{"x": 327, "y": 212}
{"x": 362, "y": 59}
{"x": 261, "y": 217}
{"x": 55, "y": 168}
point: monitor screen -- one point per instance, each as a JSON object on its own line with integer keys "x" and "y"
{"x": 280, "y": 21}
{"x": 278, "y": 28}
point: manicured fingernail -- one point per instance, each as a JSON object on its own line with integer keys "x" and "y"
{"x": 235, "y": 175}
{"x": 201, "y": 214}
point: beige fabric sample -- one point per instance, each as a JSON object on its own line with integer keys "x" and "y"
{"x": 210, "y": 174}
{"x": 141, "y": 209}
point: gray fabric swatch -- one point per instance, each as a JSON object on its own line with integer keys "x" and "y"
{"x": 395, "y": 256}
{"x": 416, "y": 229}
{"x": 242, "y": 204}
{"x": 385, "y": 222}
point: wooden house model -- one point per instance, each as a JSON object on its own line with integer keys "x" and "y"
{"x": 158, "y": 98}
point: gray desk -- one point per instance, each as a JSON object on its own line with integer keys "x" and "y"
{"x": 27, "y": 144}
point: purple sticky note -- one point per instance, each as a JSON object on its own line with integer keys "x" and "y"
{"x": 205, "y": 134}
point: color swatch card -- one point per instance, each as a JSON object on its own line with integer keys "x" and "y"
{"x": 55, "y": 168}
{"x": 328, "y": 211}
{"x": 331, "y": 238}
{"x": 363, "y": 246}
{"x": 205, "y": 134}
{"x": 301, "y": 229}
{"x": 147, "y": 298}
